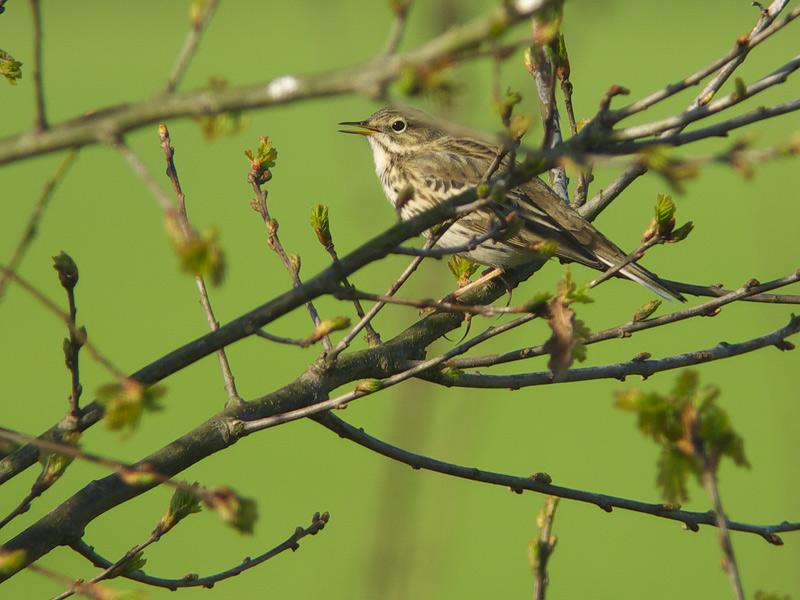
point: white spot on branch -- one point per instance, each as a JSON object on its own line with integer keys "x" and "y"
{"x": 282, "y": 87}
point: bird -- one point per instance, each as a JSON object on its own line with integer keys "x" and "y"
{"x": 421, "y": 162}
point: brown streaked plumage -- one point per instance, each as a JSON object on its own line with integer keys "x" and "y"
{"x": 424, "y": 163}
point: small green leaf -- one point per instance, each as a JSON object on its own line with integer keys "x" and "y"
{"x": 321, "y": 225}
{"x": 125, "y": 401}
{"x": 11, "y": 561}
{"x": 673, "y": 471}
{"x": 10, "y": 68}
{"x": 202, "y": 256}
{"x": 133, "y": 564}
{"x": 182, "y": 504}
{"x": 240, "y": 513}
{"x": 646, "y": 310}
{"x": 681, "y": 233}
{"x": 53, "y": 463}
{"x": 538, "y": 303}
{"x": 262, "y": 160}
{"x": 665, "y": 215}
{"x": 581, "y": 333}
{"x": 328, "y": 326}
{"x": 462, "y": 269}
{"x": 369, "y": 385}
{"x": 740, "y": 89}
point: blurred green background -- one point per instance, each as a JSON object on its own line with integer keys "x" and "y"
{"x": 394, "y": 533}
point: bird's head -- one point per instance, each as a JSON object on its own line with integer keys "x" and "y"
{"x": 397, "y": 131}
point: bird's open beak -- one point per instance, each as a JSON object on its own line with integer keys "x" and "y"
{"x": 361, "y": 128}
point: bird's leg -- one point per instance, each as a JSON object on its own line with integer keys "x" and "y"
{"x": 485, "y": 278}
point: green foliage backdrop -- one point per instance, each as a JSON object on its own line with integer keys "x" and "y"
{"x": 394, "y": 533}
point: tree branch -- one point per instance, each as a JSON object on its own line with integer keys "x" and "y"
{"x": 199, "y": 23}
{"x": 540, "y": 482}
{"x": 318, "y": 522}
{"x": 106, "y": 124}
{"x": 645, "y": 368}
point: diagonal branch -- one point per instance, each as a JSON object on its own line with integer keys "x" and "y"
{"x": 105, "y": 124}
{"x": 199, "y": 23}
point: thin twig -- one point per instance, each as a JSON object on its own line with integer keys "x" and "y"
{"x": 540, "y": 482}
{"x": 543, "y": 73}
{"x": 190, "y": 43}
{"x": 274, "y": 242}
{"x": 542, "y": 547}
{"x": 32, "y": 227}
{"x": 709, "y": 478}
{"x": 292, "y": 543}
{"x": 80, "y": 334}
{"x": 183, "y": 219}
{"x": 41, "y": 117}
{"x": 400, "y": 9}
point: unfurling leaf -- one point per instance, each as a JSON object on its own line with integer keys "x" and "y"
{"x": 369, "y": 385}
{"x": 519, "y": 126}
{"x": 646, "y": 310}
{"x": 201, "y": 255}
{"x": 672, "y": 473}
{"x": 538, "y": 304}
{"x": 53, "y": 463}
{"x": 262, "y": 160}
{"x": 67, "y": 270}
{"x": 321, "y": 225}
{"x": 505, "y": 105}
{"x": 434, "y": 80}
{"x": 328, "y": 326}
{"x": 462, "y": 269}
{"x": 215, "y": 125}
{"x": 240, "y": 513}
{"x": 740, "y": 89}
{"x": 665, "y": 215}
{"x": 11, "y": 561}
{"x": 681, "y": 233}
{"x": 133, "y": 564}
{"x": 581, "y": 334}
{"x": 691, "y": 429}
{"x": 570, "y": 292}
{"x": 182, "y": 504}
{"x": 125, "y": 401}
{"x": 674, "y": 170}
{"x": 10, "y": 68}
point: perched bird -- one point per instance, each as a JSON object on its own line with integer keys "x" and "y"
{"x": 420, "y": 163}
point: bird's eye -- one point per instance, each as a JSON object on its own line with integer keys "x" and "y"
{"x": 399, "y": 125}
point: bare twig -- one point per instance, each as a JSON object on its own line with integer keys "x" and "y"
{"x": 540, "y": 482}
{"x": 183, "y": 219}
{"x": 318, "y": 522}
{"x": 41, "y": 117}
{"x": 709, "y": 478}
{"x": 199, "y": 23}
{"x": 32, "y": 227}
{"x": 292, "y": 264}
{"x": 542, "y": 547}
{"x": 400, "y": 9}
{"x": 542, "y": 70}
{"x": 80, "y": 334}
